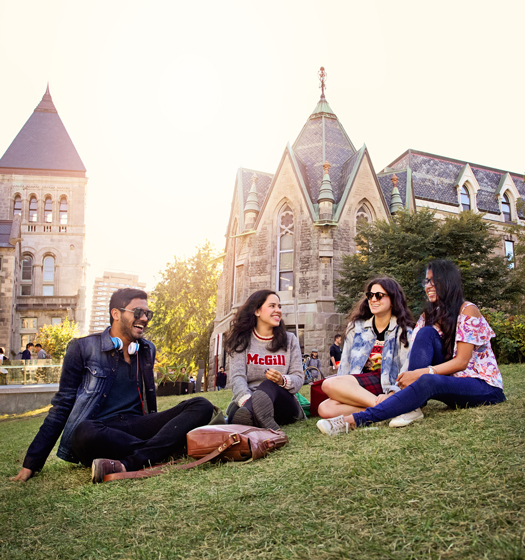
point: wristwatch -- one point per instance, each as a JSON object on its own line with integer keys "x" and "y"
{"x": 432, "y": 370}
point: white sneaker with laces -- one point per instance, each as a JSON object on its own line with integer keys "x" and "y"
{"x": 333, "y": 426}
{"x": 405, "y": 419}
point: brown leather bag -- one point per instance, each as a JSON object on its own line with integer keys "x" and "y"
{"x": 230, "y": 442}
{"x": 247, "y": 442}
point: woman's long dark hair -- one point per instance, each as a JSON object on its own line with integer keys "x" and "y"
{"x": 450, "y": 298}
{"x": 238, "y": 337}
{"x": 361, "y": 311}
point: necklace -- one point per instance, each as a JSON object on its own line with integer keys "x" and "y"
{"x": 257, "y": 335}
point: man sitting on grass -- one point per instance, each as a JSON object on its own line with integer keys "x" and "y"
{"x": 106, "y": 403}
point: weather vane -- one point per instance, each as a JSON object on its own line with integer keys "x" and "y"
{"x": 322, "y": 78}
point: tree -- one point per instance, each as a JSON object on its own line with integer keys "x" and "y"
{"x": 184, "y": 303}
{"x": 402, "y": 247}
{"x": 55, "y": 338}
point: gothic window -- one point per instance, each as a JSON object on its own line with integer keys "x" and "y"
{"x": 465, "y": 198}
{"x": 505, "y": 208}
{"x": 234, "y": 264}
{"x": 27, "y": 276}
{"x": 48, "y": 210}
{"x": 509, "y": 252}
{"x": 17, "y": 208}
{"x": 63, "y": 211}
{"x": 362, "y": 216}
{"x": 33, "y": 209}
{"x": 285, "y": 244}
{"x": 48, "y": 276}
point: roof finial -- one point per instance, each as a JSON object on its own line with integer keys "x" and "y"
{"x": 394, "y": 180}
{"x": 322, "y": 78}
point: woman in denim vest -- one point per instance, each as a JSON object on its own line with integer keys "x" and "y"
{"x": 451, "y": 359}
{"x": 376, "y": 346}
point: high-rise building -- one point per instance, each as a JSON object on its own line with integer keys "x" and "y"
{"x": 42, "y": 251}
{"x": 103, "y": 289}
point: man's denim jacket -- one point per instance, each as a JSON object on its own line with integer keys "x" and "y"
{"x": 360, "y": 340}
{"x": 88, "y": 373}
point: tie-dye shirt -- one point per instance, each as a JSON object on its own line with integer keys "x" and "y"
{"x": 475, "y": 331}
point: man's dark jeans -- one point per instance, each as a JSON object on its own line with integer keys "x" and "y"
{"x": 140, "y": 441}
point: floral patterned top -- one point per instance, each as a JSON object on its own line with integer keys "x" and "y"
{"x": 476, "y": 331}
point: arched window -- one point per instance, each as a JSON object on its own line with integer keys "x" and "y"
{"x": 17, "y": 208}
{"x": 27, "y": 276}
{"x": 48, "y": 276}
{"x": 505, "y": 208}
{"x": 465, "y": 198}
{"x": 63, "y": 211}
{"x": 285, "y": 244}
{"x": 33, "y": 209}
{"x": 48, "y": 210}
{"x": 363, "y": 215}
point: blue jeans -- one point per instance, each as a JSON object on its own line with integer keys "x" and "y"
{"x": 453, "y": 391}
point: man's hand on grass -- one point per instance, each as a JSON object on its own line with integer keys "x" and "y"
{"x": 23, "y": 475}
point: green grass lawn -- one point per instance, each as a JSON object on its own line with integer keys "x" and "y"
{"x": 451, "y": 486}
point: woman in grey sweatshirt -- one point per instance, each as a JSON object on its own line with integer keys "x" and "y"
{"x": 265, "y": 365}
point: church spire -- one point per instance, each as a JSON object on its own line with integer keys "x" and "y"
{"x": 252, "y": 209}
{"x": 326, "y": 196}
{"x": 396, "y": 204}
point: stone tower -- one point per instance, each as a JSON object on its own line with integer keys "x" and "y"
{"x": 43, "y": 180}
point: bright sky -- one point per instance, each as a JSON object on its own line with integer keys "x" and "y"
{"x": 164, "y": 100}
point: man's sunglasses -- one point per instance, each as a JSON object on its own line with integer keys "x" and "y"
{"x": 379, "y": 295}
{"x": 138, "y": 312}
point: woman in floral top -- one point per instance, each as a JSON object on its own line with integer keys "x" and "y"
{"x": 451, "y": 359}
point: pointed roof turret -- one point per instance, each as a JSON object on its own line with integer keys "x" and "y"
{"x": 323, "y": 138}
{"x": 396, "y": 203}
{"x": 252, "y": 203}
{"x": 43, "y": 146}
{"x": 326, "y": 192}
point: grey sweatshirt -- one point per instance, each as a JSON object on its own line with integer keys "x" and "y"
{"x": 247, "y": 368}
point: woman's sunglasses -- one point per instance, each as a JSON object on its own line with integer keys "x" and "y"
{"x": 427, "y": 281}
{"x": 378, "y": 295}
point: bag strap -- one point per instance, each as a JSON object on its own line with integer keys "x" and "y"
{"x": 233, "y": 439}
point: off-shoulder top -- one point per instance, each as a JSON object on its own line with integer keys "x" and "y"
{"x": 475, "y": 331}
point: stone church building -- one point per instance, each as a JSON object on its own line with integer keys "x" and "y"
{"x": 42, "y": 229}
{"x": 288, "y": 231}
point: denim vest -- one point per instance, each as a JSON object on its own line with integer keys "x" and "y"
{"x": 88, "y": 373}
{"x": 360, "y": 340}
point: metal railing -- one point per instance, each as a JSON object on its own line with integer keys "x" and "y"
{"x": 30, "y": 372}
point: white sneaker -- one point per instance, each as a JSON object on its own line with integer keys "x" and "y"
{"x": 333, "y": 426}
{"x": 405, "y": 419}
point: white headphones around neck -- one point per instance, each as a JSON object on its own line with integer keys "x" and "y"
{"x": 133, "y": 347}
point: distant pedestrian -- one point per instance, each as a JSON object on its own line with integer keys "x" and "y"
{"x": 221, "y": 379}
{"x": 41, "y": 353}
{"x": 335, "y": 352}
{"x": 26, "y": 354}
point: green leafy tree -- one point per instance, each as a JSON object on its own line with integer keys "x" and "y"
{"x": 184, "y": 302}
{"x": 55, "y": 338}
{"x": 402, "y": 247}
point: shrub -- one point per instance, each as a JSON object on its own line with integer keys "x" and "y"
{"x": 509, "y": 344}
